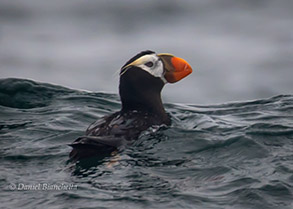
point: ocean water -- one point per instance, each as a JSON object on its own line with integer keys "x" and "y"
{"x": 232, "y": 155}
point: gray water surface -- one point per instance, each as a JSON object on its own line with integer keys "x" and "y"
{"x": 233, "y": 155}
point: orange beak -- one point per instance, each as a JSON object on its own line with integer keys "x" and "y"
{"x": 175, "y": 68}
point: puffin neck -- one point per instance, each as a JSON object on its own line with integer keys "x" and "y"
{"x": 139, "y": 91}
{"x": 151, "y": 104}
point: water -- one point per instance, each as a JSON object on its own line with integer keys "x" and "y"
{"x": 233, "y": 155}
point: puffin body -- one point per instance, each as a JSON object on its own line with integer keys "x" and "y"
{"x": 142, "y": 79}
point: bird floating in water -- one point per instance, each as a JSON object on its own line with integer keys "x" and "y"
{"x": 142, "y": 79}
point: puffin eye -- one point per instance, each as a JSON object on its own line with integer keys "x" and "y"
{"x": 149, "y": 64}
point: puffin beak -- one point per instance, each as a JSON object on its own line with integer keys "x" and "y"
{"x": 175, "y": 68}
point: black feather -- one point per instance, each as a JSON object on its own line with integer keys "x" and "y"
{"x": 138, "y": 56}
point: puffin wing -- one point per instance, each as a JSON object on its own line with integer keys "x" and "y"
{"x": 91, "y": 146}
{"x": 101, "y": 126}
{"x": 98, "y": 141}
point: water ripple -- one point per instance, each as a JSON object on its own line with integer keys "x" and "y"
{"x": 235, "y": 155}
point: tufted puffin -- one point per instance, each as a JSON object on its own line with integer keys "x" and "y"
{"x": 141, "y": 81}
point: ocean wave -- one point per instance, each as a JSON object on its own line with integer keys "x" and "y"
{"x": 238, "y": 153}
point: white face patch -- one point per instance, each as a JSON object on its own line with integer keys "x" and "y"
{"x": 152, "y": 64}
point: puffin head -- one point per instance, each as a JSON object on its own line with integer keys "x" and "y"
{"x": 143, "y": 77}
{"x": 167, "y": 67}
